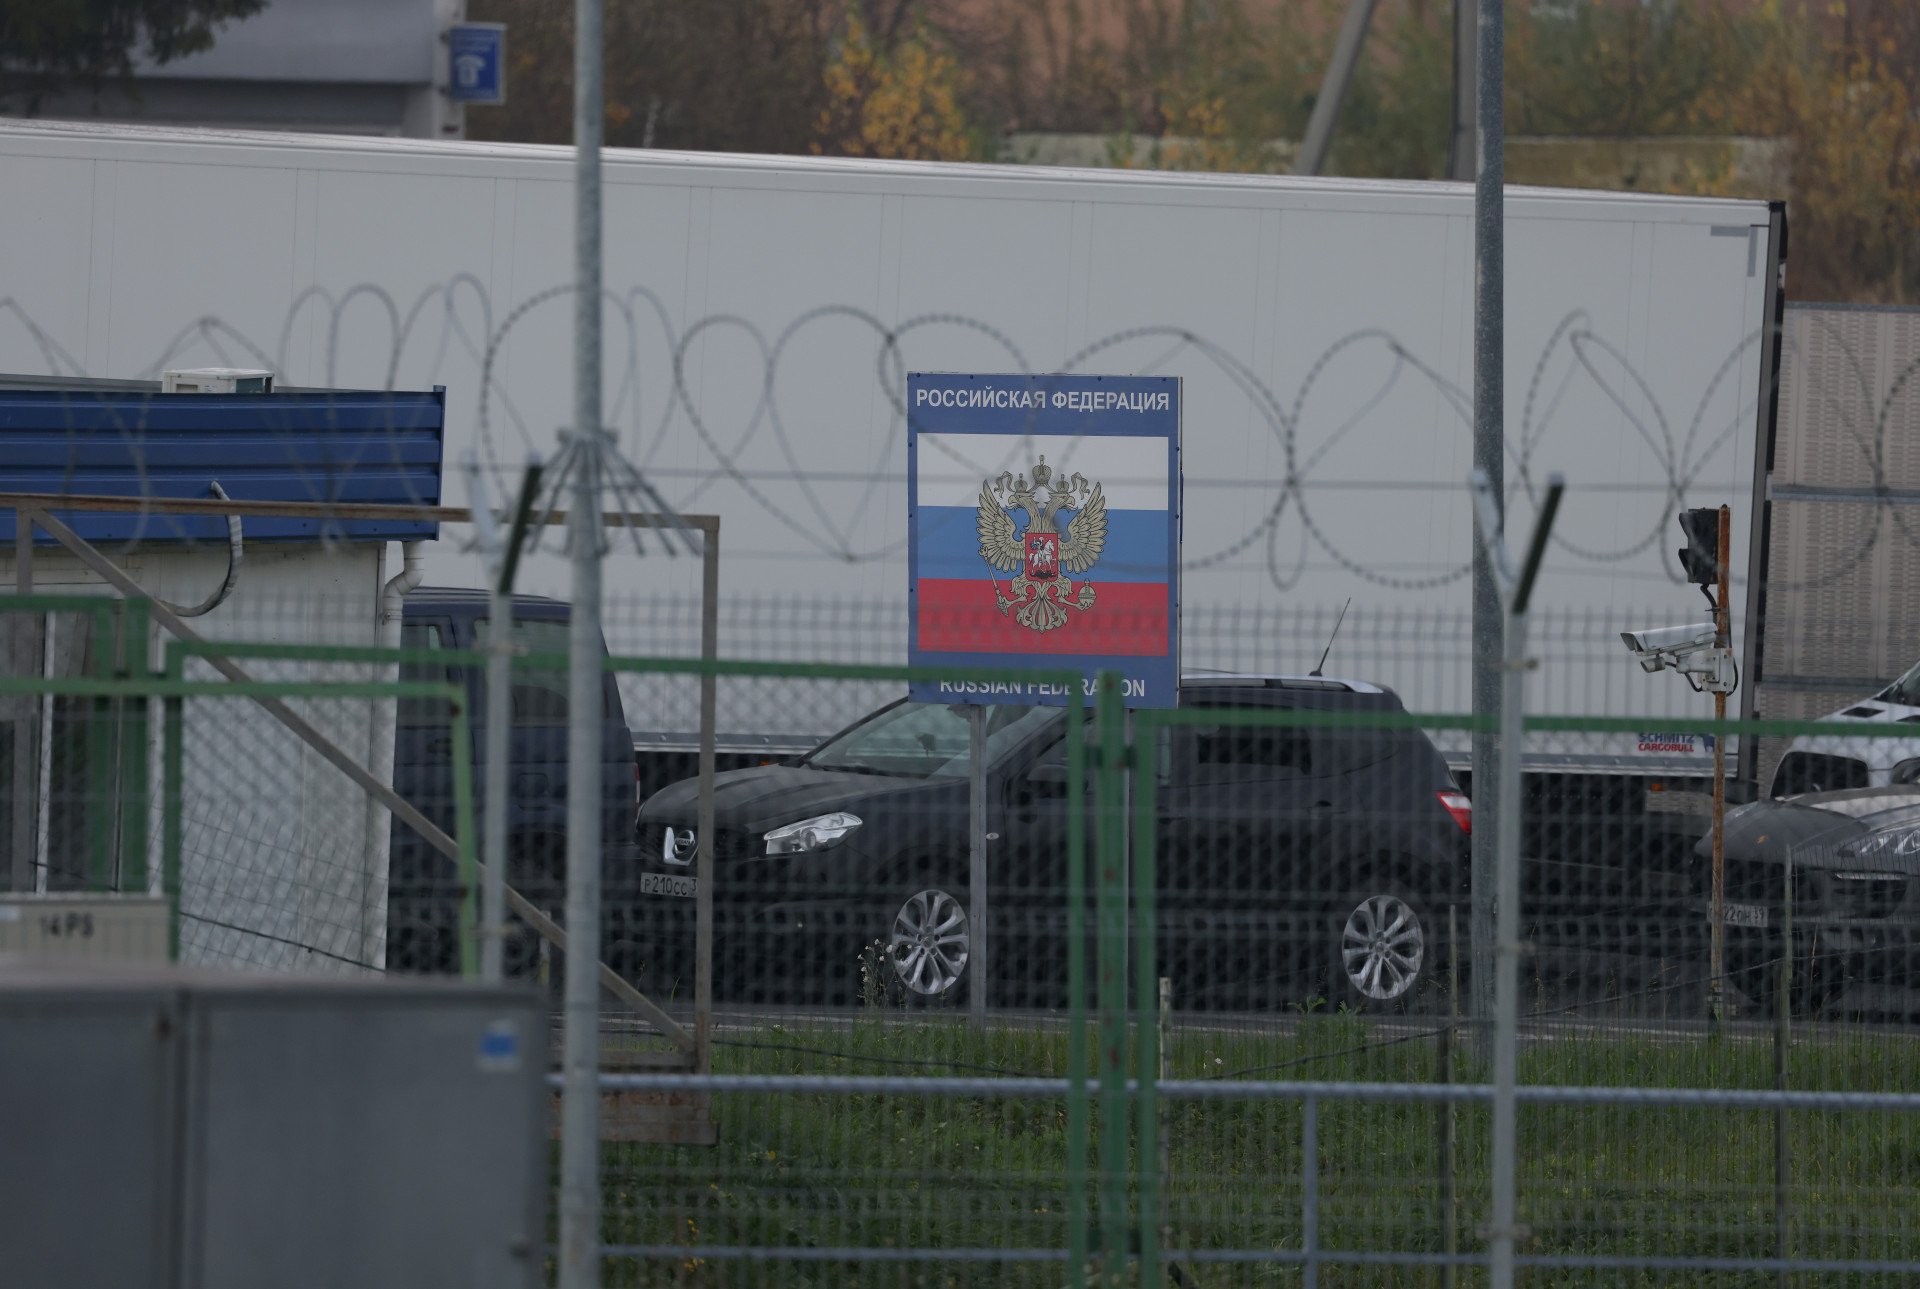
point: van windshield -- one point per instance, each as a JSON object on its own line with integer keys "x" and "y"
{"x": 925, "y": 740}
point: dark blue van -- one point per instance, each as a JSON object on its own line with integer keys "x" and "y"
{"x": 423, "y": 896}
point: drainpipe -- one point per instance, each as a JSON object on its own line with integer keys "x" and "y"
{"x": 380, "y": 755}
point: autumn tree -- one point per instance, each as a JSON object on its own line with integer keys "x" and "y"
{"x": 1213, "y": 84}
{"x": 1841, "y": 86}
{"x": 720, "y": 75}
{"x": 1628, "y": 69}
{"x": 901, "y": 102}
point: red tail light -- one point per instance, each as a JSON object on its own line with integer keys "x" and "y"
{"x": 1460, "y": 808}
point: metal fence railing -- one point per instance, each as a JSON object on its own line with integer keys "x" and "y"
{"x": 1187, "y": 988}
{"x": 1259, "y": 1173}
{"x": 1285, "y": 1070}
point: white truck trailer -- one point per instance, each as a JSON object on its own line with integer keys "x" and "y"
{"x": 764, "y": 311}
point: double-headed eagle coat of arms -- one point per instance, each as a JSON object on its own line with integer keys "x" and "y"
{"x": 1041, "y": 593}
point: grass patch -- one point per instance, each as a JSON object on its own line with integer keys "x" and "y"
{"x": 913, "y": 1172}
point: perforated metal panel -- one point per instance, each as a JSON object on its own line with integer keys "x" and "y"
{"x": 1843, "y": 589}
{"x": 180, "y": 1128}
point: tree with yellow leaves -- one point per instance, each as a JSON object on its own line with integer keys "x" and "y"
{"x": 1840, "y": 85}
{"x": 902, "y": 102}
{"x": 1851, "y": 116}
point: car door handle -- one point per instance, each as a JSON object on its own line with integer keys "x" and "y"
{"x": 1323, "y": 805}
{"x": 441, "y": 747}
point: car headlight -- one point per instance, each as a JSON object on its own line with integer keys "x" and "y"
{"x": 1900, "y": 842}
{"x": 813, "y": 834}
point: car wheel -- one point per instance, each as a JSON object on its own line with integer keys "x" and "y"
{"x": 1385, "y": 946}
{"x": 927, "y": 948}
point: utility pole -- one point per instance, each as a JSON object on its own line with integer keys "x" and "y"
{"x": 500, "y": 550}
{"x": 1706, "y": 560}
{"x": 1516, "y": 592}
{"x": 1489, "y": 447}
{"x": 580, "y": 1050}
{"x": 1722, "y": 640}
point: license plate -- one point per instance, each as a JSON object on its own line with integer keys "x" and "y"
{"x": 668, "y": 884}
{"x": 1745, "y": 914}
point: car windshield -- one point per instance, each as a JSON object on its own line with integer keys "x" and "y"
{"x": 1904, "y": 691}
{"x": 925, "y": 740}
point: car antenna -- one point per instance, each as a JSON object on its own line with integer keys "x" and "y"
{"x": 1332, "y": 636}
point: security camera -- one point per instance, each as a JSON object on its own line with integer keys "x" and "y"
{"x": 1674, "y": 640}
{"x": 1690, "y": 650}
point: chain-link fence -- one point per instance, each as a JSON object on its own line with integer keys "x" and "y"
{"x": 246, "y": 803}
{"x": 1200, "y": 992}
{"x": 1285, "y": 1068}
{"x": 931, "y": 992}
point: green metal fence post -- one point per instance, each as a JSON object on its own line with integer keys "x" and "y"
{"x": 1079, "y": 1108}
{"x": 1110, "y": 920}
{"x": 172, "y": 779}
{"x": 97, "y": 809}
{"x": 467, "y": 869}
{"x": 1147, "y": 986}
{"x": 135, "y": 751}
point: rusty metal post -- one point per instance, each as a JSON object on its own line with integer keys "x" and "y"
{"x": 1717, "y": 964}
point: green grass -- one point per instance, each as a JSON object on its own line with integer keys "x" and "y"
{"x": 918, "y": 1172}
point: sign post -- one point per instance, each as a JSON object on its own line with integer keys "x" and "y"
{"x": 1043, "y": 531}
{"x": 977, "y": 858}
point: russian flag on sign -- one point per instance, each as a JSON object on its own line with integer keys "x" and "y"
{"x": 1057, "y": 544}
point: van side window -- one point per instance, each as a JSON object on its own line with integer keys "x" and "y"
{"x": 414, "y": 712}
{"x": 540, "y": 694}
{"x": 1239, "y": 753}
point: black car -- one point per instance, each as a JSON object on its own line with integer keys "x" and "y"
{"x": 1846, "y": 865}
{"x": 1292, "y": 861}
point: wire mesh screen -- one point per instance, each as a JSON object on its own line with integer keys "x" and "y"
{"x": 1263, "y": 901}
{"x": 1279, "y": 952}
{"x": 278, "y": 850}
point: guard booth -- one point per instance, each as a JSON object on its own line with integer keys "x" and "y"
{"x": 282, "y": 858}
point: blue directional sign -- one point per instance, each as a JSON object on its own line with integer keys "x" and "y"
{"x": 1043, "y": 529}
{"x": 476, "y": 67}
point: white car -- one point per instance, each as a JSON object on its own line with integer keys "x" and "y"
{"x": 1889, "y": 755}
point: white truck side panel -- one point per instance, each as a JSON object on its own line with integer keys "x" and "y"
{"x": 1323, "y": 329}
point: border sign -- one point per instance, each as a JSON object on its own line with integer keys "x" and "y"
{"x": 1043, "y": 530}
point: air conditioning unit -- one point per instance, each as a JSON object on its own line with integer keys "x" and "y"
{"x": 217, "y": 380}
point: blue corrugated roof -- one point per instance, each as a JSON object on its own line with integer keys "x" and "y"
{"x": 332, "y": 446}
